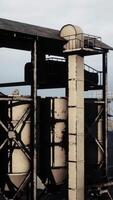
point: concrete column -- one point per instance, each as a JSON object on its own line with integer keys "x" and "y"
{"x": 75, "y": 41}
{"x": 76, "y": 127}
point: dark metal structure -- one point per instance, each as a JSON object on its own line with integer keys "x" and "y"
{"x": 40, "y": 42}
{"x": 52, "y": 72}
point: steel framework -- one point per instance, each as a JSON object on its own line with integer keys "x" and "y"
{"x": 41, "y": 74}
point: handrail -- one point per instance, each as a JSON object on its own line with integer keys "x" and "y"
{"x": 81, "y": 40}
{"x": 91, "y": 69}
{"x": 95, "y": 70}
{"x": 55, "y": 58}
{"x": 90, "y": 36}
{"x": 83, "y": 34}
{"x": 73, "y": 41}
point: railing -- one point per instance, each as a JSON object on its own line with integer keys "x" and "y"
{"x": 100, "y": 74}
{"x": 74, "y": 41}
{"x": 110, "y": 96}
{"x": 81, "y": 40}
{"x": 90, "y": 40}
{"x": 55, "y": 58}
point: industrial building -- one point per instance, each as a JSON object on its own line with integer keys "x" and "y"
{"x": 55, "y": 147}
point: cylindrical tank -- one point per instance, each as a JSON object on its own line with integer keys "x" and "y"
{"x": 93, "y": 141}
{"x": 53, "y": 143}
{"x": 53, "y": 140}
{"x": 19, "y": 127}
{"x": 58, "y": 139}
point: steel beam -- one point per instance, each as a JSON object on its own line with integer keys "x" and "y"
{"x": 13, "y": 84}
{"x": 105, "y": 91}
{"x": 34, "y": 123}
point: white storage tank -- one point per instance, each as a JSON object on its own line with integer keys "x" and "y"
{"x": 53, "y": 138}
{"x": 19, "y": 129}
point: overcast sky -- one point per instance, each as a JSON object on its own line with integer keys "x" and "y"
{"x": 94, "y": 16}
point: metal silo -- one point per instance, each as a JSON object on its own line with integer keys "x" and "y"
{"x": 18, "y": 145}
{"x": 53, "y": 137}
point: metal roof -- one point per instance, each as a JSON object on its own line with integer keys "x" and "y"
{"x": 96, "y": 42}
{"x": 28, "y": 29}
{"x": 51, "y": 40}
{"x": 102, "y": 45}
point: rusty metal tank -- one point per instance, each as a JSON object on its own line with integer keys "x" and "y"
{"x": 19, "y": 127}
{"x": 20, "y": 137}
{"x": 53, "y": 137}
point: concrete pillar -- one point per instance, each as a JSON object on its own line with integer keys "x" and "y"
{"x": 75, "y": 114}
{"x": 76, "y": 127}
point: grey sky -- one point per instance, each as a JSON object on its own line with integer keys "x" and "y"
{"x": 94, "y": 17}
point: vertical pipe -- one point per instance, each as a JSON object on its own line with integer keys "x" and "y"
{"x": 34, "y": 121}
{"x": 105, "y": 90}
